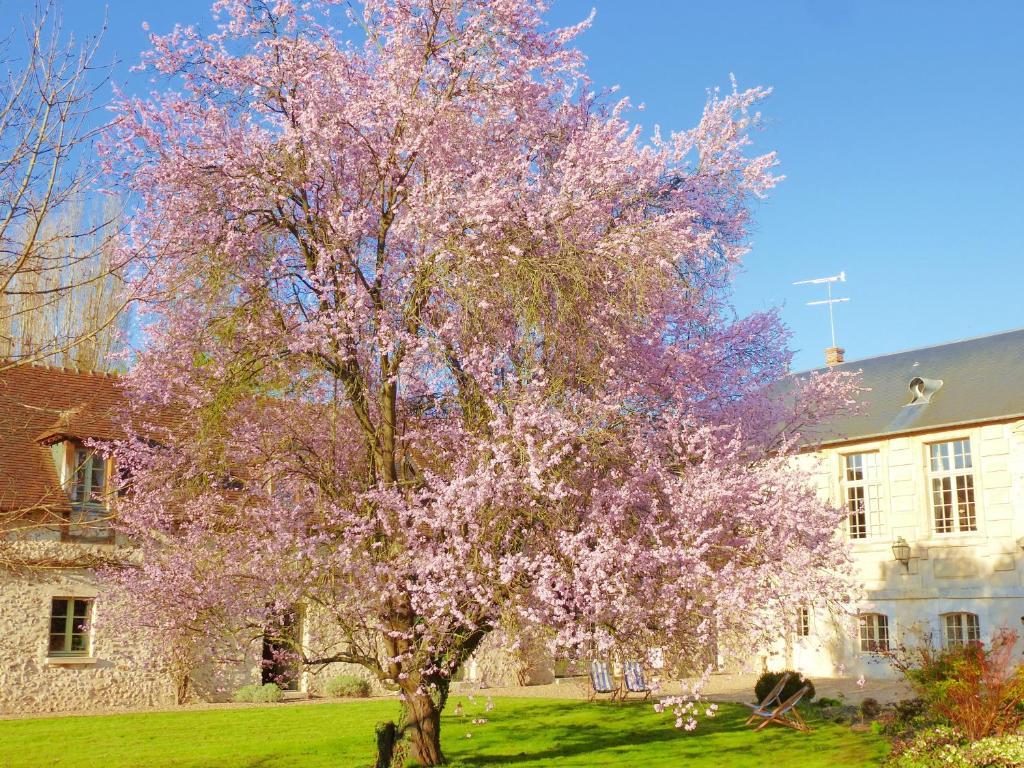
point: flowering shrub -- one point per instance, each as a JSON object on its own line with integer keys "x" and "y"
{"x": 976, "y": 689}
{"x": 944, "y": 746}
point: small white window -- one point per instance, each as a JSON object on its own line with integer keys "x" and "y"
{"x": 803, "y": 622}
{"x": 863, "y": 490}
{"x": 960, "y": 629}
{"x": 874, "y": 632}
{"x": 952, "y": 486}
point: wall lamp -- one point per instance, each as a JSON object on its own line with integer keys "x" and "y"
{"x": 901, "y": 551}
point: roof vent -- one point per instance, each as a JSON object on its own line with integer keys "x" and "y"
{"x": 921, "y": 390}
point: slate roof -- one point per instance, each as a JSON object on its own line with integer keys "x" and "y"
{"x": 40, "y": 405}
{"x": 982, "y": 380}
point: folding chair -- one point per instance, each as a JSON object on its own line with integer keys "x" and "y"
{"x": 601, "y": 681}
{"x": 785, "y": 713}
{"x": 635, "y": 681}
{"x": 771, "y": 698}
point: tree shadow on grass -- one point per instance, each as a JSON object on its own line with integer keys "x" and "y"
{"x": 539, "y": 734}
{"x": 573, "y": 730}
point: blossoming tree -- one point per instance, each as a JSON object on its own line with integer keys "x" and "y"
{"x": 451, "y": 351}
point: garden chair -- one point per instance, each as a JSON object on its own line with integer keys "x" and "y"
{"x": 634, "y": 681}
{"x": 601, "y": 681}
{"x": 771, "y": 698}
{"x": 785, "y": 713}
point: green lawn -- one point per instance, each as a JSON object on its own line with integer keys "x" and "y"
{"x": 519, "y": 732}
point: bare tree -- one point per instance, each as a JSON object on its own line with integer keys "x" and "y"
{"x": 61, "y": 292}
{"x": 60, "y": 287}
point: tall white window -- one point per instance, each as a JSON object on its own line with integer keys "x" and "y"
{"x": 952, "y": 486}
{"x": 874, "y": 632}
{"x": 960, "y": 629}
{"x": 863, "y": 489}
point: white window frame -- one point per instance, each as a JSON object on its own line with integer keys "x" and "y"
{"x": 946, "y": 481}
{"x": 873, "y": 632}
{"x": 960, "y": 628}
{"x": 863, "y": 496}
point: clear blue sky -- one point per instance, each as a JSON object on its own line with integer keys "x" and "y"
{"x": 898, "y": 126}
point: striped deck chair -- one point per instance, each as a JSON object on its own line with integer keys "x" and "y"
{"x": 601, "y": 681}
{"x": 634, "y": 681}
{"x": 785, "y": 713}
{"x": 770, "y": 699}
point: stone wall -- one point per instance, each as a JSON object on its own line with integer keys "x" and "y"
{"x": 115, "y": 675}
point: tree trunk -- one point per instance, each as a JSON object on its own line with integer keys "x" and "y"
{"x": 422, "y": 728}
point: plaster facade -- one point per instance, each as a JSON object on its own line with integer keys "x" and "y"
{"x": 975, "y": 572}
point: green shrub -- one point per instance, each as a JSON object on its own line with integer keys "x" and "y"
{"x": 348, "y": 686}
{"x": 258, "y": 694}
{"x": 825, "y": 701}
{"x": 906, "y": 717}
{"x": 768, "y": 680}
{"x": 944, "y": 746}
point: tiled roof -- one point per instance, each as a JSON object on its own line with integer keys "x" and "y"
{"x": 40, "y": 405}
{"x": 982, "y": 379}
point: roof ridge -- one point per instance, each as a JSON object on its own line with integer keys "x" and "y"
{"x": 908, "y": 350}
{"x": 63, "y": 369}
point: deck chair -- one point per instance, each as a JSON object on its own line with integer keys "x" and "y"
{"x": 785, "y": 713}
{"x": 770, "y": 699}
{"x": 634, "y": 681}
{"x": 601, "y": 681}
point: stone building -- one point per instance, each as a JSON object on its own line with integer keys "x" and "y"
{"x": 56, "y": 653}
{"x": 931, "y": 474}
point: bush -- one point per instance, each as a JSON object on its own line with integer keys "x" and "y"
{"x": 258, "y": 694}
{"x": 947, "y": 747}
{"x": 870, "y": 708}
{"x": 348, "y": 686}
{"x": 767, "y": 681}
{"x": 975, "y": 689}
{"x": 904, "y": 718}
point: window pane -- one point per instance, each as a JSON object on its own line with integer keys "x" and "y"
{"x": 972, "y": 628}
{"x": 57, "y": 643}
{"x": 58, "y": 625}
{"x": 59, "y": 607}
{"x": 942, "y": 504}
{"x": 962, "y": 454}
{"x": 81, "y": 608}
{"x": 855, "y": 467}
{"x": 97, "y": 479}
{"x": 965, "y": 502}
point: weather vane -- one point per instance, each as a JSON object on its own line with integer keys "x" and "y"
{"x": 840, "y": 278}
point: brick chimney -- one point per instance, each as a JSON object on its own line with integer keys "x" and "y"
{"x": 834, "y": 356}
